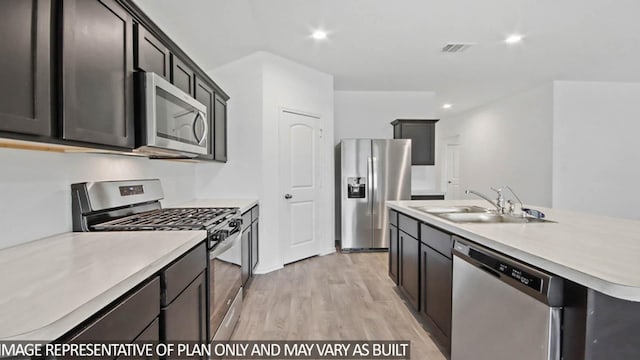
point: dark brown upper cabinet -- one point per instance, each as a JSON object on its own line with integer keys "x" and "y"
{"x": 220, "y": 129}
{"x": 422, "y": 134}
{"x": 182, "y": 76}
{"x": 150, "y": 54}
{"x": 25, "y": 67}
{"x": 97, "y": 73}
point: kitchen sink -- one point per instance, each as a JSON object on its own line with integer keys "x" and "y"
{"x": 488, "y": 218}
{"x": 451, "y": 209}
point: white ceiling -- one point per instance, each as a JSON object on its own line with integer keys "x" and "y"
{"x": 395, "y": 45}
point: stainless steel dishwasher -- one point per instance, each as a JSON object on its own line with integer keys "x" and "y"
{"x": 502, "y": 309}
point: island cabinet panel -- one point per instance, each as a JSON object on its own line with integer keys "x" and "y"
{"x": 97, "y": 73}
{"x": 436, "y": 271}
{"x": 394, "y": 258}
{"x": 126, "y": 320}
{"x": 25, "y": 67}
{"x": 410, "y": 268}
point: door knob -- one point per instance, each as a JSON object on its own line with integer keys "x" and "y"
{"x": 449, "y": 181}
{"x": 288, "y": 196}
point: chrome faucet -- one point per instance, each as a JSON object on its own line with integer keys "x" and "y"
{"x": 499, "y": 204}
{"x": 511, "y": 204}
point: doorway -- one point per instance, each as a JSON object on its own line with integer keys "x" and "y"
{"x": 299, "y": 159}
{"x": 452, "y": 169}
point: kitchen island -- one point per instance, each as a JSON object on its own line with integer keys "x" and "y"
{"x": 597, "y": 257}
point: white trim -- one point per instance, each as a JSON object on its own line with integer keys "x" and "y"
{"x": 327, "y": 252}
{"x": 261, "y": 271}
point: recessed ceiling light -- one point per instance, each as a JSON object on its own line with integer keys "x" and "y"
{"x": 447, "y": 106}
{"x": 319, "y": 35}
{"x": 513, "y": 39}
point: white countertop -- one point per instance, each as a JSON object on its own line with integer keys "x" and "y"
{"x": 598, "y": 252}
{"x": 51, "y": 285}
{"x": 243, "y": 204}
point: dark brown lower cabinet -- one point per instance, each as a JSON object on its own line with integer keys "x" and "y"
{"x": 246, "y": 256}
{"x": 185, "y": 319}
{"x": 437, "y": 272}
{"x": 124, "y": 321}
{"x": 410, "y": 268}
{"x": 393, "y": 253}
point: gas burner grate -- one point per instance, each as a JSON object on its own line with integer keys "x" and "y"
{"x": 170, "y": 219}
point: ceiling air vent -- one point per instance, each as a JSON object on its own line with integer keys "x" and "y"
{"x": 455, "y": 47}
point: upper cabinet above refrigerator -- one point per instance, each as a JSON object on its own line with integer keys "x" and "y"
{"x": 422, "y": 134}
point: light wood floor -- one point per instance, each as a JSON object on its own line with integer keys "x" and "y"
{"x": 333, "y": 297}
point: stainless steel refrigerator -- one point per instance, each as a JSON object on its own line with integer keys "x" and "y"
{"x": 368, "y": 173}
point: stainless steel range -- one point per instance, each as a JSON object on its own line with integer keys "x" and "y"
{"x": 135, "y": 205}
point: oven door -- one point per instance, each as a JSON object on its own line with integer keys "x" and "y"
{"x": 173, "y": 119}
{"x": 225, "y": 281}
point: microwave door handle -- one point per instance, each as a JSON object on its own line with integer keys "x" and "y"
{"x": 205, "y": 130}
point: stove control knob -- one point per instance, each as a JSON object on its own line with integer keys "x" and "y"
{"x": 220, "y": 235}
{"x": 235, "y": 223}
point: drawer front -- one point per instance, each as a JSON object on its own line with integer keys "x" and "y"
{"x": 436, "y": 239}
{"x": 255, "y": 213}
{"x": 246, "y": 220}
{"x": 408, "y": 225}
{"x": 393, "y": 217}
{"x": 127, "y": 320}
{"x": 177, "y": 276}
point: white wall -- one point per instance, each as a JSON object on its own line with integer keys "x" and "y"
{"x": 296, "y": 87}
{"x": 241, "y": 176}
{"x": 260, "y": 85}
{"x": 507, "y": 142}
{"x": 596, "y": 153}
{"x": 368, "y": 114}
{"x": 35, "y": 192}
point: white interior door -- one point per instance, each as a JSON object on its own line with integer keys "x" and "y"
{"x": 453, "y": 172}
{"x": 300, "y": 136}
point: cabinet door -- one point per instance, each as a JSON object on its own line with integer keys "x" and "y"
{"x": 254, "y": 245}
{"x": 97, "y": 72}
{"x": 185, "y": 319}
{"x": 25, "y": 70}
{"x": 422, "y": 137}
{"x": 150, "y": 54}
{"x": 182, "y": 76}
{"x": 410, "y": 264}
{"x": 246, "y": 255}
{"x": 220, "y": 130}
{"x": 437, "y": 277}
{"x": 204, "y": 93}
{"x": 393, "y": 253}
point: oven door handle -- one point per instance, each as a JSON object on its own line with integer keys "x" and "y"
{"x": 225, "y": 245}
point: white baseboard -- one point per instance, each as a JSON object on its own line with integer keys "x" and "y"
{"x": 327, "y": 251}
{"x": 260, "y": 270}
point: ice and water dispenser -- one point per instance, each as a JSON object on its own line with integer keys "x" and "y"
{"x": 356, "y": 187}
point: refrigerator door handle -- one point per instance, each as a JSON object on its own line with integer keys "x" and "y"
{"x": 370, "y": 183}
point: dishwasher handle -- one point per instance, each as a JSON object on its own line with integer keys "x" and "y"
{"x": 543, "y": 286}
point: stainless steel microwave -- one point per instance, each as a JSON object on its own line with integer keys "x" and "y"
{"x": 171, "y": 123}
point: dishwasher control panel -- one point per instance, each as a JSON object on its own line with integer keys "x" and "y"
{"x": 509, "y": 270}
